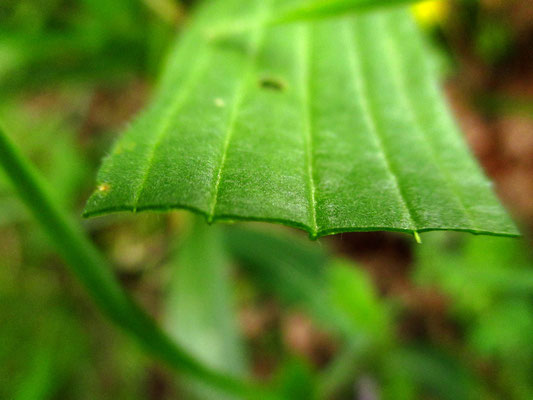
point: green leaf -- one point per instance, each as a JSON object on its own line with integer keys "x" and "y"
{"x": 330, "y": 126}
{"x": 200, "y": 312}
{"x": 306, "y": 10}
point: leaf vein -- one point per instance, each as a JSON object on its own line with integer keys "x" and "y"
{"x": 237, "y": 102}
{"x": 369, "y": 113}
{"x": 398, "y": 77}
{"x": 181, "y": 98}
{"x": 308, "y": 128}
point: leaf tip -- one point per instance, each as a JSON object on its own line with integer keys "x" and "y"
{"x": 313, "y": 235}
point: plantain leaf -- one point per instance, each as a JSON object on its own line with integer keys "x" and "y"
{"x": 329, "y": 126}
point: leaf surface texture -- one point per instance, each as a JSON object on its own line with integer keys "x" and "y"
{"x": 332, "y": 125}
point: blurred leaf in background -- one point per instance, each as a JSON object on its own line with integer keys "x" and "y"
{"x": 200, "y": 310}
{"x": 77, "y": 42}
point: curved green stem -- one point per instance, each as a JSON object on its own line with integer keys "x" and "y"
{"x": 95, "y": 274}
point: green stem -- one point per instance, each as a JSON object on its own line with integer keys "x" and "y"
{"x": 96, "y": 275}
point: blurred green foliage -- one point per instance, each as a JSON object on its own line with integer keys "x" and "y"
{"x": 62, "y": 42}
{"x": 489, "y": 284}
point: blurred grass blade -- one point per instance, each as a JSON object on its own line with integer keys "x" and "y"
{"x": 330, "y": 126}
{"x": 38, "y": 383}
{"x": 200, "y": 312}
{"x": 96, "y": 275}
{"x": 294, "y": 11}
{"x": 308, "y": 10}
{"x": 344, "y": 368}
{"x": 353, "y": 293}
{"x": 369, "y": 324}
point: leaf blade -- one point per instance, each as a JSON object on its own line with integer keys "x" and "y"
{"x": 307, "y": 128}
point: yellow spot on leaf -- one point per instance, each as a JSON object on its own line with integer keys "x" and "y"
{"x": 103, "y": 188}
{"x": 220, "y": 102}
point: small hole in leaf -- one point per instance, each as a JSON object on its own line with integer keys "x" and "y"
{"x": 272, "y": 84}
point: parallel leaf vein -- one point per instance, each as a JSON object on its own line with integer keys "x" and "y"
{"x": 359, "y": 80}
{"x": 174, "y": 108}
{"x": 239, "y": 97}
{"x": 399, "y": 78}
{"x": 308, "y": 128}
